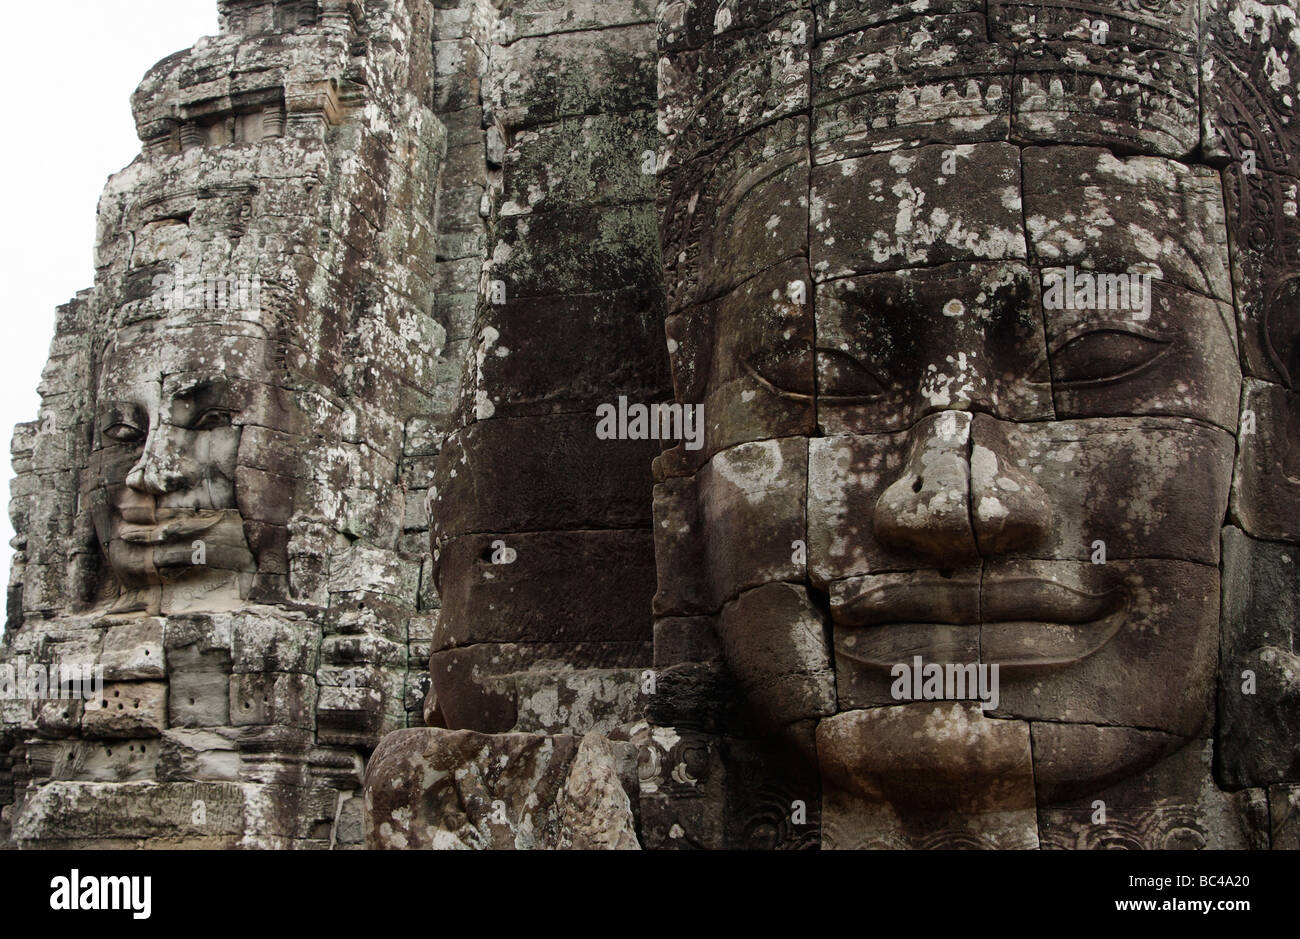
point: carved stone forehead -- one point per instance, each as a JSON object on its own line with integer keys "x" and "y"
{"x": 178, "y": 358}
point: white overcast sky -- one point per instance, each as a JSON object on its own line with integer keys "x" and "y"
{"x": 68, "y": 128}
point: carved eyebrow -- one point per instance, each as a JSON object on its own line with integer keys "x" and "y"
{"x": 771, "y": 386}
{"x": 118, "y": 409}
{"x": 1104, "y": 322}
{"x": 196, "y": 396}
{"x": 202, "y": 392}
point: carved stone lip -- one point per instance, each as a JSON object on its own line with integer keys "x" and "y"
{"x": 172, "y": 525}
{"x": 1018, "y": 622}
{"x": 1038, "y": 644}
{"x": 137, "y": 514}
{"x": 910, "y": 597}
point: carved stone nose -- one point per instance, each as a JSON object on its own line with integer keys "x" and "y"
{"x": 927, "y": 509}
{"x": 1009, "y": 510}
{"x": 960, "y": 496}
{"x": 155, "y": 473}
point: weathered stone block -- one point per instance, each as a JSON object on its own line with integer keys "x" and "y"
{"x": 598, "y": 159}
{"x": 971, "y": 785}
{"x": 1168, "y": 807}
{"x": 580, "y": 701}
{"x": 591, "y": 72}
{"x": 1082, "y": 92}
{"x": 446, "y": 789}
{"x": 349, "y": 715}
{"x": 680, "y": 639}
{"x": 198, "y": 755}
{"x": 575, "y": 352}
{"x": 270, "y": 643}
{"x": 181, "y": 814}
{"x": 273, "y": 698}
{"x": 559, "y": 587}
{"x": 1284, "y": 816}
{"x": 891, "y": 211}
{"x": 127, "y": 710}
{"x": 198, "y": 698}
{"x": 725, "y": 217}
{"x": 1266, "y": 501}
{"x": 751, "y": 78}
{"x": 134, "y": 651}
{"x": 577, "y": 249}
{"x": 932, "y": 78}
{"x": 491, "y": 479}
{"x": 746, "y": 360}
{"x": 775, "y": 645}
{"x": 1123, "y": 206}
{"x": 484, "y": 686}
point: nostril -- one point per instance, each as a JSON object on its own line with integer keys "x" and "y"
{"x": 933, "y": 522}
{"x": 946, "y": 573}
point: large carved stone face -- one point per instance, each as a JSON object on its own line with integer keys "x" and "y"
{"x": 917, "y": 448}
{"x": 170, "y": 406}
{"x": 977, "y": 456}
{"x": 985, "y": 450}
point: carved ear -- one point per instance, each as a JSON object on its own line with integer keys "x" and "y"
{"x": 1281, "y": 329}
{"x": 775, "y": 642}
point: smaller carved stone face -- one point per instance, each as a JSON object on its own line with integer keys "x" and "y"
{"x": 164, "y": 466}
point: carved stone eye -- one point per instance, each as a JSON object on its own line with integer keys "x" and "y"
{"x": 786, "y": 370}
{"x": 211, "y": 419}
{"x": 123, "y": 432}
{"x": 1105, "y": 355}
{"x": 842, "y": 376}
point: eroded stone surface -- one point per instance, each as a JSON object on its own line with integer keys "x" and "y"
{"x": 440, "y": 789}
{"x": 1173, "y": 807}
{"x": 1259, "y": 688}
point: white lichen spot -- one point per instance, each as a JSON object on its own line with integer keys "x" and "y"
{"x": 990, "y": 509}
{"x": 901, "y": 163}
{"x": 752, "y": 468}
{"x": 983, "y": 463}
{"x": 722, "y": 19}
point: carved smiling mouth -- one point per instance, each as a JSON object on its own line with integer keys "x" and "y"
{"x": 167, "y": 525}
{"x": 1018, "y": 622}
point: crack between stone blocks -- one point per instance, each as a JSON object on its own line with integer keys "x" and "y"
{"x": 594, "y": 28}
{"x": 1033, "y": 781}
{"x": 339, "y": 801}
{"x": 810, "y": 590}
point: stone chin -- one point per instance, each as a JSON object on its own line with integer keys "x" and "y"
{"x": 952, "y": 756}
{"x": 936, "y": 755}
{"x": 181, "y": 560}
{"x": 1054, "y": 625}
